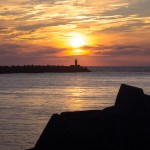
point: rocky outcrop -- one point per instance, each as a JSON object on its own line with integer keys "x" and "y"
{"x": 124, "y": 126}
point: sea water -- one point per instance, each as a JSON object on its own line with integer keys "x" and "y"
{"x": 27, "y": 101}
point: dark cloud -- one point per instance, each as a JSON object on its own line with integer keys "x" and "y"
{"x": 34, "y": 2}
{"x": 38, "y": 25}
{"x": 27, "y": 54}
{"x": 127, "y": 27}
{"x": 8, "y": 48}
{"x": 12, "y": 12}
{"x": 3, "y": 30}
{"x": 140, "y": 8}
{"x": 119, "y": 50}
{"x": 26, "y": 17}
{"x": 125, "y": 51}
{"x": 48, "y": 1}
{"x": 44, "y": 51}
{"x": 27, "y": 50}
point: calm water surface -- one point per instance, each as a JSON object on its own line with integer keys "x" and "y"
{"x": 27, "y": 101}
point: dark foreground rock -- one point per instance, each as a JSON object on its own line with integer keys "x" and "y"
{"x": 124, "y": 126}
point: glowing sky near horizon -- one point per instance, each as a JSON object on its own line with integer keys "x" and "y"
{"x": 108, "y": 32}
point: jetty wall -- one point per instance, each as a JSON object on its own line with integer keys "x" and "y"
{"x": 42, "y": 69}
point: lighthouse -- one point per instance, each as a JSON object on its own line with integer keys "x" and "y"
{"x": 76, "y": 62}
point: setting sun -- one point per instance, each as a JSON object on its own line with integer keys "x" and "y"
{"x": 77, "y": 40}
{"x": 76, "y": 44}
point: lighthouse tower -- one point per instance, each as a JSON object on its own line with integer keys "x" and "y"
{"x": 76, "y": 62}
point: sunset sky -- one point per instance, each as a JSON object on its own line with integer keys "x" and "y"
{"x": 55, "y": 32}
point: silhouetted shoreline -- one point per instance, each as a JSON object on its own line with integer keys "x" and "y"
{"x": 42, "y": 69}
